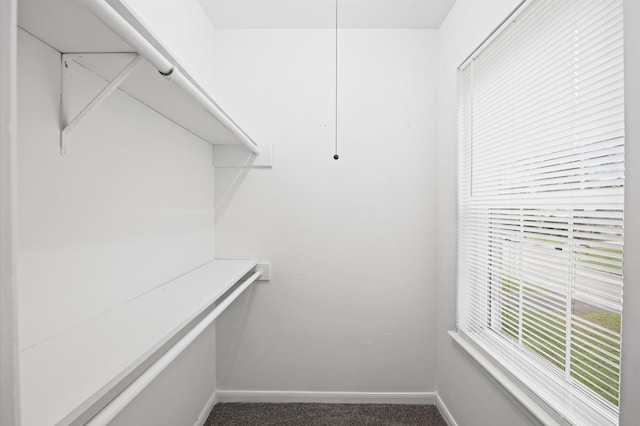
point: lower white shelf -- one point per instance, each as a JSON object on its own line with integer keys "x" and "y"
{"x": 71, "y": 376}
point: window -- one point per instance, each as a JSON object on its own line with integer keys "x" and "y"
{"x": 540, "y": 197}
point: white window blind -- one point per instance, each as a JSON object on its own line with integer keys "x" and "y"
{"x": 541, "y": 175}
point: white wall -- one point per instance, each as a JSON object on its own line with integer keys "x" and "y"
{"x": 351, "y": 305}
{"x": 129, "y": 207}
{"x": 471, "y": 397}
{"x": 183, "y": 394}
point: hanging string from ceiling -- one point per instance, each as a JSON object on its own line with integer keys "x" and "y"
{"x": 335, "y": 155}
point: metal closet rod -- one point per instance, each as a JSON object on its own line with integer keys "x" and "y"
{"x": 120, "y": 26}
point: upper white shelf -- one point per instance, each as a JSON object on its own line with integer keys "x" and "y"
{"x": 98, "y": 358}
{"x": 148, "y": 86}
{"x": 158, "y": 81}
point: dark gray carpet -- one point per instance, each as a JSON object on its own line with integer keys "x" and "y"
{"x": 237, "y": 414}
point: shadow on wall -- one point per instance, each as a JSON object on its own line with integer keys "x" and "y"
{"x": 238, "y": 315}
{"x": 222, "y": 202}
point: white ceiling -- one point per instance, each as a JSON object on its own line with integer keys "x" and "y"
{"x": 230, "y": 14}
{"x": 68, "y": 26}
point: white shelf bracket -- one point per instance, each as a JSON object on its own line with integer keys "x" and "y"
{"x": 67, "y": 127}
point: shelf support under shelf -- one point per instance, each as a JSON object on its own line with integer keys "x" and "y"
{"x": 96, "y": 101}
{"x": 114, "y": 20}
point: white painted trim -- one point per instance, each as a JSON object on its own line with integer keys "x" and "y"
{"x": 202, "y": 417}
{"x": 630, "y": 383}
{"x": 444, "y": 411}
{"x": 413, "y": 398}
{"x": 9, "y": 371}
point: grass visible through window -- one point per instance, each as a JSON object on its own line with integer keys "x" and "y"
{"x": 595, "y": 348}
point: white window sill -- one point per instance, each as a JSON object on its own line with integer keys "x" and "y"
{"x": 533, "y": 405}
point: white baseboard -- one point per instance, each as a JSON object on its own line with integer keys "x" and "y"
{"x": 444, "y": 411}
{"x": 414, "y": 398}
{"x": 207, "y": 409}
